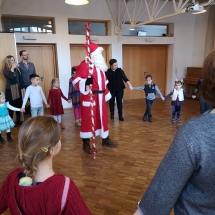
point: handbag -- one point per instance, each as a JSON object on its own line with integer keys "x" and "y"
{"x": 14, "y": 91}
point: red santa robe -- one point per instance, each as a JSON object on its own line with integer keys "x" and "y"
{"x": 99, "y": 105}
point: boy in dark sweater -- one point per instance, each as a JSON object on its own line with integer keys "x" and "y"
{"x": 150, "y": 90}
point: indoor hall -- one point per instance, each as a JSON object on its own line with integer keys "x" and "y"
{"x": 115, "y": 181}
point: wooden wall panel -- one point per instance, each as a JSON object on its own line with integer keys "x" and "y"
{"x": 140, "y": 60}
{"x": 43, "y": 57}
{"x": 7, "y": 47}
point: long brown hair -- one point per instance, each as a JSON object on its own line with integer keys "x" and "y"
{"x": 7, "y": 62}
{"x": 37, "y": 136}
{"x": 207, "y": 88}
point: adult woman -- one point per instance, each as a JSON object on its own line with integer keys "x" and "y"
{"x": 185, "y": 177}
{"x": 116, "y": 86}
{"x": 13, "y": 86}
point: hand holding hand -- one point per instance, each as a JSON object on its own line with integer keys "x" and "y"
{"x": 163, "y": 98}
{"x": 193, "y": 96}
{"x": 47, "y": 105}
{"x": 131, "y": 88}
{"x": 69, "y": 101}
{"x": 22, "y": 110}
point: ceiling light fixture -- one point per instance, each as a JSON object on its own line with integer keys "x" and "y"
{"x": 77, "y": 2}
{"x": 203, "y": 11}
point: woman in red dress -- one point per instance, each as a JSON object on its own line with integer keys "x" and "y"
{"x": 54, "y": 101}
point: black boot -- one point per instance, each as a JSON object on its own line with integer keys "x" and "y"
{"x": 86, "y": 146}
{"x": 1, "y": 139}
{"x": 9, "y": 139}
{"x": 107, "y": 142}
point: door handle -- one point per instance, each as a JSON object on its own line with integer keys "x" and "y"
{"x": 41, "y": 78}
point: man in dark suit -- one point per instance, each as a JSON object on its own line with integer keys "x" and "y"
{"x": 116, "y": 86}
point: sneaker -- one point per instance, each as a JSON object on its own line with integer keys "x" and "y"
{"x": 144, "y": 118}
{"x": 173, "y": 120}
{"x": 150, "y": 119}
{"x": 178, "y": 120}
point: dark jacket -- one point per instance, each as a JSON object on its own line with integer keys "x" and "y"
{"x": 116, "y": 79}
{"x": 12, "y": 78}
{"x": 197, "y": 86}
{"x": 26, "y": 73}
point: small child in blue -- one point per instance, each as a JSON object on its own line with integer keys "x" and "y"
{"x": 5, "y": 120}
{"x": 150, "y": 90}
{"x": 177, "y": 95}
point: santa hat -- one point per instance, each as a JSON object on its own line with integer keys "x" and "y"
{"x": 94, "y": 48}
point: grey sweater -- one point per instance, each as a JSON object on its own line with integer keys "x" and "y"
{"x": 26, "y": 73}
{"x": 151, "y": 96}
{"x": 185, "y": 178}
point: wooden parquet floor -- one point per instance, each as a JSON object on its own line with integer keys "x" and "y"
{"x": 113, "y": 183}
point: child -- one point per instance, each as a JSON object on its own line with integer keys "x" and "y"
{"x": 54, "y": 100}
{"x": 36, "y": 95}
{"x": 150, "y": 91}
{"x": 74, "y": 94}
{"x": 177, "y": 99}
{"x": 46, "y": 192}
{"x": 5, "y": 120}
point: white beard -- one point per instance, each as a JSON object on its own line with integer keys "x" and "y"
{"x": 99, "y": 62}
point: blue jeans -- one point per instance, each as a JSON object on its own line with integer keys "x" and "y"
{"x": 35, "y": 111}
{"x": 148, "y": 108}
{"x": 176, "y": 110}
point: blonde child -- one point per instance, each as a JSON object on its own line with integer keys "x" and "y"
{"x": 177, "y": 95}
{"x": 54, "y": 100}
{"x": 36, "y": 188}
{"x": 6, "y": 123}
{"x": 74, "y": 95}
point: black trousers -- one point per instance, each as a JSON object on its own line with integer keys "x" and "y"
{"x": 118, "y": 95}
{"x": 148, "y": 108}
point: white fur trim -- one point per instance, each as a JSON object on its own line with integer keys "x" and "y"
{"x": 106, "y": 82}
{"x": 98, "y": 132}
{"x": 82, "y": 87}
{"x": 108, "y": 96}
{"x": 74, "y": 82}
{"x": 87, "y": 104}
{"x": 98, "y": 50}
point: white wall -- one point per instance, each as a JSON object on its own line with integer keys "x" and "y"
{"x": 183, "y": 51}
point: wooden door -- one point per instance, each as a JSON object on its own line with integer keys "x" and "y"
{"x": 140, "y": 60}
{"x": 43, "y": 57}
{"x": 78, "y": 54}
{"x": 8, "y": 47}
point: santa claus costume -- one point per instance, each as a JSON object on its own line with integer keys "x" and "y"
{"x": 100, "y": 95}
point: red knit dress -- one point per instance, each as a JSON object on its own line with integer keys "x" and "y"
{"x": 54, "y": 100}
{"x": 42, "y": 199}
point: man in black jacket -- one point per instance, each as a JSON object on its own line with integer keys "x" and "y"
{"x": 116, "y": 86}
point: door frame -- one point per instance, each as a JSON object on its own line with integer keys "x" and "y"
{"x": 39, "y": 45}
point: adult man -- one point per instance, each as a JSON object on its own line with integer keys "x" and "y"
{"x": 26, "y": 68}
{"x": 116, "y": 78}
{"x": 100, "y": 96}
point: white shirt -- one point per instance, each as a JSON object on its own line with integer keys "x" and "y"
{"x": 36, "y": 95}
{"x": 10, "y": 107}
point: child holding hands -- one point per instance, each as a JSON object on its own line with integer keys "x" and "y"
{"x": 150, "y": 90}
{"x": 178, "y": 95}
{"x": 6, "y": 123}
{"x": 54, "y": 100}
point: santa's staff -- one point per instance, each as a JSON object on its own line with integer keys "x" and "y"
{"x": 87, "y": 27}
